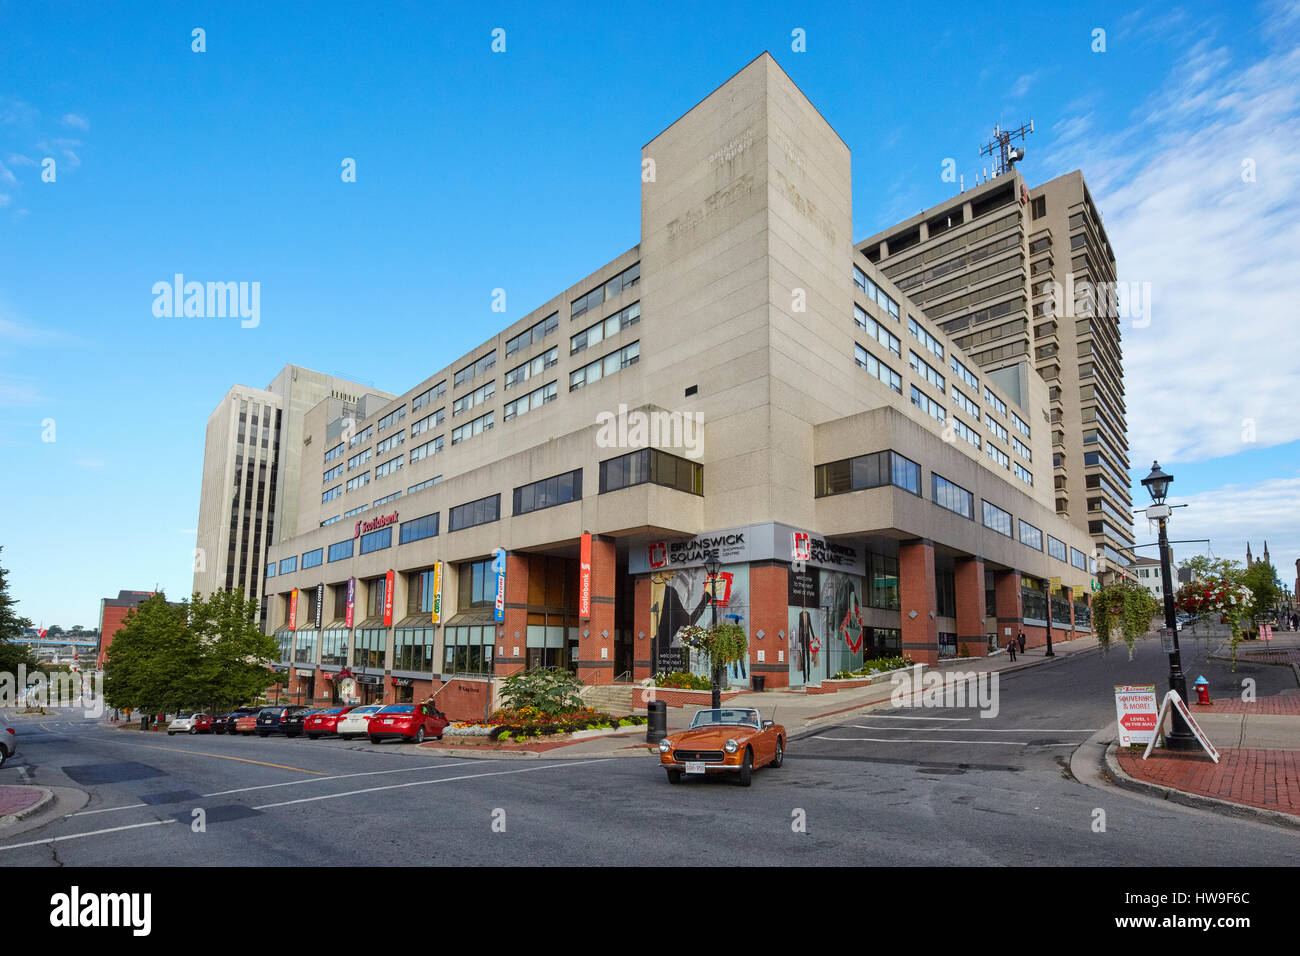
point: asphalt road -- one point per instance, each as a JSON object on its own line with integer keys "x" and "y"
{"x": 883, "y": 788}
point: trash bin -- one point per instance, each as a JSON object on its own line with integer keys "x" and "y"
{"x": 759, "y": 681}
{"x": 656, "y": 721}
{"x": 144, "y": 722}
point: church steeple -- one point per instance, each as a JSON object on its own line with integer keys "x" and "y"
{"x": 1266, "y": 560}
{"x": 1249, "y": 559}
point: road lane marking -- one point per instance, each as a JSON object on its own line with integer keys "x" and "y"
{"x": 969, "y": 743}
{"x": 905, "y": 717}
{"x": 344, "y": 776}
{"x": 78, "y": 836}
{"x": 201, "y": 753}
{"x": 423, "y": 783}
{"x": 86, "y": 813}
{"x": 975, "y": 730}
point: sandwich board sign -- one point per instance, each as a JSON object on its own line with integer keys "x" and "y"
{"x": 1136, "y": 708}
{"x": 1172, "y": 699}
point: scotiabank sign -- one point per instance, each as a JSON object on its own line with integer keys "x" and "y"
{"x": 365, "y": 527}
{"x": 584, "y": 577}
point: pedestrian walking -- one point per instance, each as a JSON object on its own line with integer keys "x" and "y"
{"x": 1011, "y": 647}
{"x": 1022, "y": 642}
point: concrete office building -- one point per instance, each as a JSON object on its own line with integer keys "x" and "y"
{"x": 741, "y": 382}
{"x": 251, "y": 465}
{"x": 1022, "y": 275}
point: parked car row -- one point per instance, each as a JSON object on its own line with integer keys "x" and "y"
{"x": 378, "y": 722}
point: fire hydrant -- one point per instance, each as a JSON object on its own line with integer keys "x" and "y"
{"x": 1202, "y": 691}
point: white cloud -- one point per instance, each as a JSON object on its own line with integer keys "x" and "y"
{"x": 1206, "y": 378}
{"x": 1022, "y": 84}
{"x": 89, "y": 463}
{"x": 1234, "y": 514}
{"x": 5, "y": 175}
{"x": 74, "y": 119}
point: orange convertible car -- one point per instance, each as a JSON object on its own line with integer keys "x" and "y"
{"x": 726, "y": 740}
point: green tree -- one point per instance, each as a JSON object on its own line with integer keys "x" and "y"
{"x": 12, "y": 627}
{"x": 236, "y": 656}
{"x": 154, "y": 661}
{"x": 1264, "y": 586}
{"x": 1206, "y": 568}
{"x": 722, "y": 643}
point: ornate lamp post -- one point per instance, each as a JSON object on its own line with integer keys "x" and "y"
{"x": 1157, "y": 485}
{"x": 711, "y": 567}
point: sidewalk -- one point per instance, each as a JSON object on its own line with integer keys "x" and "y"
{"x": 19, "y": 802}
{"x": 1258, "y": 743}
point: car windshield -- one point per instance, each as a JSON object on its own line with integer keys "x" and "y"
{"x": 370, "y": 709}
{"x": 726, "y": 715}
{"x": 325, "y": 713}
{"x": 399, "y": 709}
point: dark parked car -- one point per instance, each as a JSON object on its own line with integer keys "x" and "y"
{"x": 291, "y": 724}
{"x": 271, "y": 719}
{"x": 225, "y": 724}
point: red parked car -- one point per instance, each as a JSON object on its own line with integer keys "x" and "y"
{"x": 202, "y": 724}
{"x": 325, "y": 722}
{"x": 246, "y": 725}
{"x": 408, "y": 721}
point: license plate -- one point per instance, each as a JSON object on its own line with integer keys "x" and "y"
{"x": 693, "y": 766}
{"x": 388, "y": 720}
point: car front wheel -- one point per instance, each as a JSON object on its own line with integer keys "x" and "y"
{"x": 674, "y": 776}
{"x": 419, "y": 735}
{"x": 375, "y": 740}
{"x": 779, "y": 757}
{"x": 171, "y": 733}
{"x": 747, "y": 768}
{"x": 193, "y": 731}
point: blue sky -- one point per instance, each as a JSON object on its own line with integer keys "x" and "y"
{"x": 520, "y": 170}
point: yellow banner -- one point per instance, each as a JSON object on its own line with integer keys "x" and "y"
{"x": 437, "y": 590}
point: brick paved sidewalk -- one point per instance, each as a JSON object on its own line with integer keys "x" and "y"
{"x": 17, "y": 799}
{"x": 1280, "y": 705}
{"x": 1269, "y": 779}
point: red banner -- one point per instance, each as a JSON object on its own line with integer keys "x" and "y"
{"x": 388, "y": 599}
{"x": 584, "y": 578}
{"x": 293, "y": 609}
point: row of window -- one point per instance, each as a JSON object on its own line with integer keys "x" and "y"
{"x": 928, "y": 405}
{"x": 875, "y": 293}
{"x": 388, "y": 467}
{"x": 392, "y": 418}
{"x": 360, "y": 481}
{"x": 432, "y": 420}
{"x": 608, "y": 290}
{"x": 595, "y": 334}
{"x": 332, "y": 473}
{"x": 965, "y": 431}
{"x": 431, "y": 447}
{"x": 477, "y": 397}
{"x": 925, "y": 338}
{"x": 334, "y": 452}
{"x": 359, "y": 459}
{"x": 534, "y": 334}
{"x": 391, "y": 442}
{"x": 866, "y": 360}
{"x": 536, "y": 366}
{"x": 474, "y": 369}
{"x": 877, "y": 331}
{"x": 429, "y": 396}
{"x": 611, "y": 363}
{"x": 923, "y": 368}
{"x": 867, "y": 471}
{"x": 379, "y": 502}
{"x": 331, "y": 494}
{"x": 534, "y": 399}
{"x": 362, "y": 436}
{"x": 965, "y": 404}
{"x": 479, "y": 425}
{"x": 995, "y": 403}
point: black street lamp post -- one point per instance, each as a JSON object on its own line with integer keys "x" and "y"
{"x": 1157, "y": 484}
{"x": 711, "y": 567}
{"x": 1047, "y": 588}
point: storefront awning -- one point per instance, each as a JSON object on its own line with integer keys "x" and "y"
{"x": 478, "y": 617}
{"x": 371, "y": 622}
{"x": 416, "y": 620}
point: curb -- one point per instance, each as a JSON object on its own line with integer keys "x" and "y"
{"x": 1222, "y": 807}
{"x": 46, "y": 798}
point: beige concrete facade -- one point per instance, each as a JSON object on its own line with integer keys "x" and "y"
{"x": 747, "y": 299}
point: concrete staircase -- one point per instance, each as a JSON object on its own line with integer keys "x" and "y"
{"x": 617, "y": 699}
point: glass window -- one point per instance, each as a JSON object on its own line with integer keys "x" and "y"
{"x": 654, "y": 466}
{"x": 311, "y": 559}
{"x": 340, "y": 550}
{"x": 418, "y": 529}
{"x": 548, "y": 492}
{"x": 996, "y": 519}
{"x": 951, "y": 496}
{"x": 288, "y": 565}
{"x": 1030, "y": 536}
{"x": 482, "y": 511}
{"x": 1056, "y": 548}
{"x": 377, "y": 540}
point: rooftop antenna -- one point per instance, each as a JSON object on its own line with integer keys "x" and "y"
{"x": 999, "y": 148}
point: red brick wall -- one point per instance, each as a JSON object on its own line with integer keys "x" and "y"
{"x": 916, "y": 591}
{"x": 592, "y": 667}
{"x": 463, "y": 700}
{"x": 968, "y": 575}
{"x": 642, "y": 619}
{"x": 768, "y": 607}
{"x": 1009, "y": 610}
{"x": 112, "y": 623}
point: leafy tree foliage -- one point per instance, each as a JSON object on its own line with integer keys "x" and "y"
{"x": 207, "y": 654}
{"x": 12, "y": 626}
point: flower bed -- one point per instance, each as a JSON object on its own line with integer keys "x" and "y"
{"x": 528, "y": 723}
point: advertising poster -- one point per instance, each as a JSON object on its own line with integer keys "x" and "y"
{"x": 499, "y": 606}
{"x": 825, "y": 627}
{"x": 584, "y": 578}
{"x": 682, "y": 597}
{"x": 388, "y": 599}
{"x": 352, "y": 601}
{"x": 293, "y": 609}
{"x": 437, "y": 591}
{"x": 1136, "y": 709}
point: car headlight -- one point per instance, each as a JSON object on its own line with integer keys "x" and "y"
{"x": 665, "y": 745}
{"x": 731, "y": 746}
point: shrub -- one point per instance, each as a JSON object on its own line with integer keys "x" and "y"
{"x": 682, "y": 680}
{"x": 548, "y": 691}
